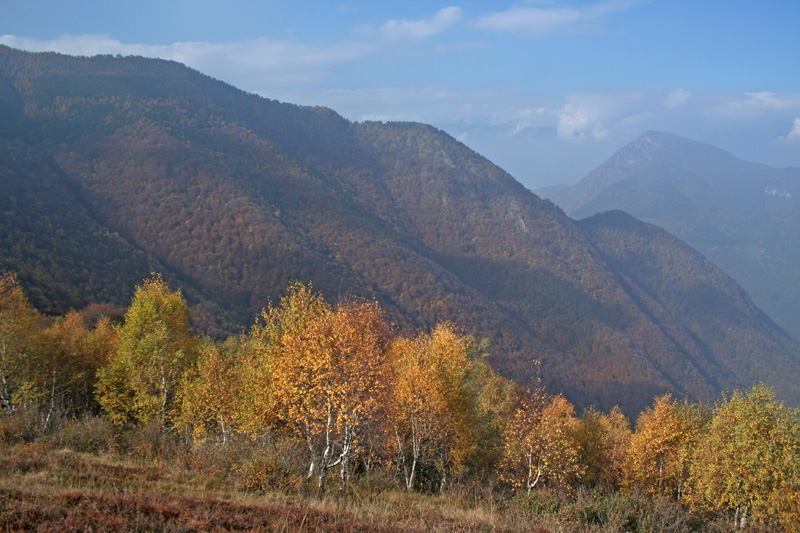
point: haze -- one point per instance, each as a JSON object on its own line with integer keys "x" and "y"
{"x": 546, "y": 89}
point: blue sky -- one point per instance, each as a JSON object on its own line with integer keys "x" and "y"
{"x": 547, "y": 89}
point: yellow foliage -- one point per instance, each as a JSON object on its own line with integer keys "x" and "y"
{"x": 661, "y": 448}
{"x": 431, "y": 404}
{"x": 747, "y": 461}
{"x": 539, "y": 442}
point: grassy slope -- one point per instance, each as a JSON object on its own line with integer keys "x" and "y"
{"x": 47, "y": 489}
{"x": 50, "y": 488}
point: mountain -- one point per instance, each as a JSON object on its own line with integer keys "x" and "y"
{"x": 551, "y": 192}
{"x": 722, "y": 331}
{"x": 741, "y": 215}
{"x": 124, "y": 165}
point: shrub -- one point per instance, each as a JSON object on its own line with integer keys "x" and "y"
{"x": 267, "y": 470}
{"x": 90, "y": 434}
{"x": 12, "y": 427}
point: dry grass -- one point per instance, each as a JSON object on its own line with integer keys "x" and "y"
{"x": 49, "y": 489}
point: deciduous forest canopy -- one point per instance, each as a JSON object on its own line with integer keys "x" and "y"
{"x": 208, "y": 274}
{"x": 117, "y": 167}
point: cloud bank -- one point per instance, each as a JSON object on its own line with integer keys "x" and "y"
{"x": 535, "y": 21}
{"x": 402, "y": 29}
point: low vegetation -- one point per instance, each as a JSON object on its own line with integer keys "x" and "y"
{"x": 322, "y": 417}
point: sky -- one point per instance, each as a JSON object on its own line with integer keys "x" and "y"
{"x": 546, "y": 89}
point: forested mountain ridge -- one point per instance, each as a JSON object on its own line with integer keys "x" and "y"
{"x": 720, "y": 328}
{"x": 232, "y": 196}
{"x": 741, "y": 215}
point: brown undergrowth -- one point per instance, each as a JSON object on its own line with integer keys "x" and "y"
{"x": 87, "y": 476}
{"x": 50, "y": 489}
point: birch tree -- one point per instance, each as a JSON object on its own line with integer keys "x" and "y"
{"x": 155, "y": 349}
{"x": 603, "y": 440}
{"x": 539, "y": 442}
{"x": 326, "y": 368}
{"x": 209, "y": 393}
{"x": 748, "y": 461}
{"x": 19, "y": 340}
{"x": 76, "y": 354}
{"x": 661, "y": 448}
{"x": 431, "y": 403}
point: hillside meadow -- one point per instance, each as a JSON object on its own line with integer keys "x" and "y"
{"x": 323, "y": 417}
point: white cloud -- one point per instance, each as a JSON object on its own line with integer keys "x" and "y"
{"x": 257, "y": 65}
{"x": 677, "y": 98}
{"x": 579, "y": 123}
{"x": 794, "y": 134}
{"x": 79, "y": 45}
{"x": 745, "y": 106}
{"x": 541, "y": 21}
{"x": 529, "y": 118}
{"x": 599, "y": 116}
{"x": 403, "y": 29}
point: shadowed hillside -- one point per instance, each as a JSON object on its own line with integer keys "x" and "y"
{"x": 741, "y": 215}
{"x": 232, "y": 196}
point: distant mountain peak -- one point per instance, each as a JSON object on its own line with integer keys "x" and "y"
{"x": 740, "y": 214}
{"x": 649, "y": 155}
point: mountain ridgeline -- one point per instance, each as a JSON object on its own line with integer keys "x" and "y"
{"x": 117, "y": 167}
{"x": 743, "y": 216}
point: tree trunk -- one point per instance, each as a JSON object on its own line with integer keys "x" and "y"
{"x": 312, "y": 467}
{"x": 347, "y": 452}
{"x": 163, "y": 397}
{"x": 532, "y": 481}
{"x": 416, "y": 446}
{"x": 52, "y": 402}
{"x": 224, "y": 429}
{"x": 740, "y": 522}
{"x": 323, "y": 475}
{"x": 325, "y": 461}
{"x": 5, "y": 393}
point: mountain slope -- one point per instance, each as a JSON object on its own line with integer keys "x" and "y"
{"x": 720, "y": 328}
{"x": 233, "y": 196}
{"x": 743, "y": 216}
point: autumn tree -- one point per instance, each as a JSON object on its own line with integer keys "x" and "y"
{"x": 748, "y": 461}
{"x": 18, "y": 327}
{"x": 661, "y": 448}
{"x": 360, "y": 336}
{"x": 77, "y": 355}
{"x": 211, "y": 391}
{"x": 495, "y": 402}
{"x": 539, "y": 442}
{"x": 155, "y": 349}
{"x": 326, "y": 369}
{"x": 430, "y": 406}
{"x": 603, "y": 440}
{"x": 35, "y": 370}
{"x": 260, "y": 407}
{"x": 276, "y": 382}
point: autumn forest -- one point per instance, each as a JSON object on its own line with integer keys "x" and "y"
{"x": 220, "y": 311}
{"x": 327, "y": 394}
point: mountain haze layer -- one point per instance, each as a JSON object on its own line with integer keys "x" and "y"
{"x": 231, "y": 196}
{"x": 743, "y": 216}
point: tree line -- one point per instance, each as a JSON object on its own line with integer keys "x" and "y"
{"x": 358, "y": 396}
